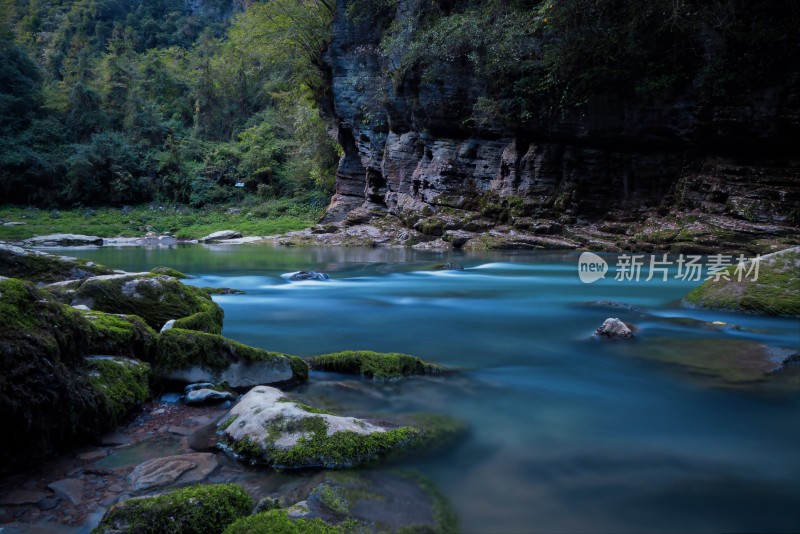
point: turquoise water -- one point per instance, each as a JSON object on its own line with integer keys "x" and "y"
{"x": 568, "y": 434}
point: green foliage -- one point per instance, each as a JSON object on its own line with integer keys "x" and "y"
{"x": 379, "y": 366}
{"x": 200, "y": 509}
{"x": 277, "y": 522}
{"x": 122, "y": 384}
{"x": 137, "y": 101}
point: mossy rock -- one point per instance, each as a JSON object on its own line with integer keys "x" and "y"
{"x": 36, "y": 266}
{"x": 120, "y": 335}
{"x": 376, "y": 365}
{"x": 156, "y": 298}
{"x": 266, "y": 428}
{"x": 123, "y": 384}
{"x": 46, "y": 398}
{"x": 193, "y": 356}
{"x": 775, "y": 292}
{"x": 201, "y": 322}
{"x": 373, "y": 501}
{"x": 200, "y": 509}
{"x": 278, "y": 522}
{"x": 169, "y": 271}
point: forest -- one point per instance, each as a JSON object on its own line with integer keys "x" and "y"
{"x": 120, "y": 102}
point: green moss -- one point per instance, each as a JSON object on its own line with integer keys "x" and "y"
{"x": 179, "y": 349}
{"x": 122, "y": 384}
{"x": 38, "y": 266}
{"x": 277, "y": 522}
{"x": 436, "y": 431}
{"x": 300, "y": 368}
{"x": 222, "y": 291}
{"x": 775, "y": 292}
{"x": 169, "y": 271}
{"x": 380, "y": 366}
{"x": 200, "y": 509}
{"x": 332, "y": 498}
{"x": 445, "y": 518}
{"x": 153, "y": 297}
{"x": 120, "y": 335}
{"x": 226, "y": 423}
{"x": 201, "y": 322}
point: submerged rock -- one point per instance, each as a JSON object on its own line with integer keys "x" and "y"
{"x": 376, "y": 365}
{"x": 199, "y": 509}
{"x": 308, "y": 275}
{"x": 266, "y": 427}
{"x": 189, "y": 356}
{"x": 614, "y": 328}
{"x": 179, "y": 469}
{"x": 37, "y": 266}
{"x": 775, "y": 292}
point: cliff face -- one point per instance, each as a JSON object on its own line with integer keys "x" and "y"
{"x": 656, "y": 171}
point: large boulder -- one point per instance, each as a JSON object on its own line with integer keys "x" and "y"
{"x": 269, "y": 428}
{"x": 63, "y": 240}
{"x": 120, "y": 335}
{"x": 776, "y": 291}
{"x": 375, "y": 365}
{"x": 37, "y": 266}
{"x": 189, "y": 356}
{"x": 156, "y": 298}
{"x": 266, "y": 427}
{"x": 50, "y": 396}
{"x": 200, "y": 509}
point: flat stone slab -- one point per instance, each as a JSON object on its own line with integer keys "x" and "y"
{"x": 183, "y": 468}
{"x": 70, "y": 489}
{"x": 221, "y": 235}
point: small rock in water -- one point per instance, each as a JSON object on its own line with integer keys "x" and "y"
{"x": 70, "y": 489}
{"x": 308, "y": 275}
{"x": 613, "y": 327}
{"x": 172, "y": 398}
{"x": 201, "y": 385}
{"x": 449, "y": 267}
{"x": 207, "y": 396}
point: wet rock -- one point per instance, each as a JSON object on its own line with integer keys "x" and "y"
{"x": 449, "y": 267}
{"x": 375, "y": 365}
{"x": 614, "y": 328}
{"x": 776, "y": 291}
{"x": 204, "y": 439}
{"x": 63, "y": 240}
{"x": 220, "y": 236}
{"x": 197, "y": 397}
{"x": 267, "y": 427}
{"x": 20, "y": 497}
{"x": 70, "y": 489}
{"x": 308, "y": 275}
{"x": 183, "y": 469}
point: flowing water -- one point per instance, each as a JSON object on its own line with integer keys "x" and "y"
{"x": 568, "y": 434}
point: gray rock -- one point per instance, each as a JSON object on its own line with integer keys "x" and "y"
{"x": 169, "y": 324}
{"x": 207, "y": 396}
{"x": 183, "y": 469}
{"x": 238, "y": 375}
{"x": 308, "y": 275}
{"x": 270, "y": 421}
{"x": 64, "y": 240}
{"x": 614, "y": 328}
{"x": 18, "y": 497}
{"x": 220, "y": 236}
{"x": 201, "y": 385}
{"x": 70, "y": 489}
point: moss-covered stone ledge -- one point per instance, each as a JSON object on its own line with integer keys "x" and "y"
{"x": 120, "y": 335}
{"x": 123, "y": 384}
{"x": 156, "y": 298}
{"x": 200, "y": 509}
{"x": 190, "y": 356}
{"x": 278, "y": 522}
{"x": 36, "y": 266}
{"x": 268, "y": 428}
{"x": 375, "y": 365}
{"x": 775, "y": 292}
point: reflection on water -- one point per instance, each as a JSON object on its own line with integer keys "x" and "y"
{"x": 568, "y": 433}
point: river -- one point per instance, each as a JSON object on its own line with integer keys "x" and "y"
{"x": 568, "y": 433}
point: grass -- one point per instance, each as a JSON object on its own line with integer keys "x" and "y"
{"x": 253, "y": 218}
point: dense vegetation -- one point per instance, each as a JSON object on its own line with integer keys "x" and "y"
{"x": 120, "y": 101}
